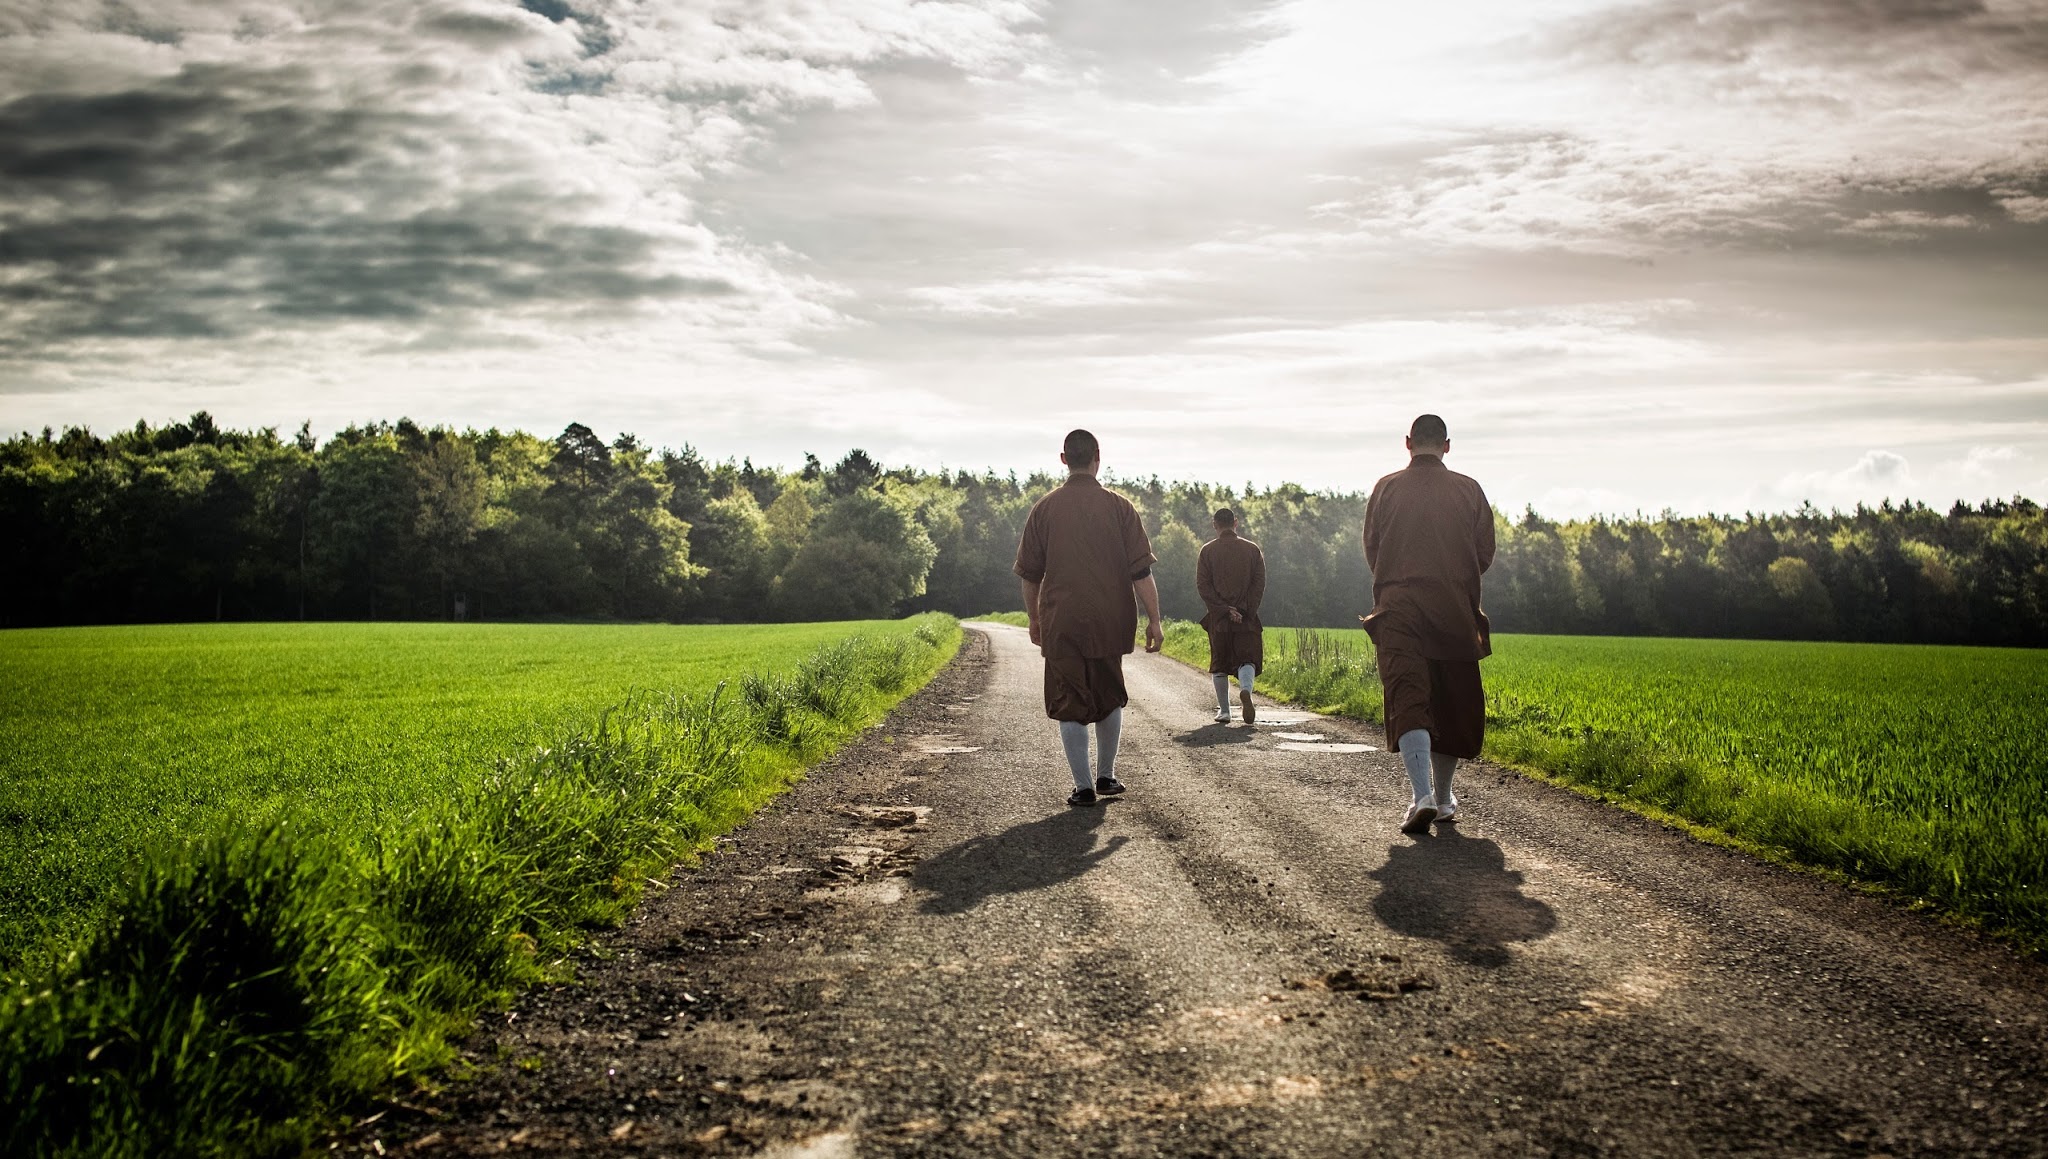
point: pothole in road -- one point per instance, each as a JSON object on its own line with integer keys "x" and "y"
{"x": 1295, "y": 746}
{"x": 1370, "y": 985}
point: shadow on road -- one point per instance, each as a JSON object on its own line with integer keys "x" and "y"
{"x": 1023, "y": 857}
{"x": 1211, "y": 735}
{"x": 1459, "y": 891}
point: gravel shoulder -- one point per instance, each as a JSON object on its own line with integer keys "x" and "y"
{"x": 920, "y": 950}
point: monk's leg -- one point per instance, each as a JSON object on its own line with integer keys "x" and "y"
{"x": 1405, "y": 705}
{"x": 1222, "y": 697}
{"x": 1074, "y": 739}
{"x": 1415, "y": 757}
{"x": 1442, "y": 765}
{"x": 1245, "y": 675}
{"x": 1108, "y": 731}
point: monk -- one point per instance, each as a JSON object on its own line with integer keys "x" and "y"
{"x": 1230, "y": 576}
{"x": 1082, "y": 558}
{"x": 1428, "y": 538}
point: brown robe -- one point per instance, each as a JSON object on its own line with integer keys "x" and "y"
{"x": 1085, "y": 546}
{"x": 1428, "y": 538}
{"x": 1231, "y": 573}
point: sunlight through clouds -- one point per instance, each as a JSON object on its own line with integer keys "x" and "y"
{"x": 1742, "y": 246}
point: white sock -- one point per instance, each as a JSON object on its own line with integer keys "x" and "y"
{"x": 1245, "y": 675}
{"x": 1415, "y": 754}
{"x": 1107, "y": 731}
{"x": 1441, "y": 766}
{"x": 1074, "y": 739}
{"x": 1223, "y": 693}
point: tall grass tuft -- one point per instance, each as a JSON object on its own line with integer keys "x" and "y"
{"x": 254, "y": 982}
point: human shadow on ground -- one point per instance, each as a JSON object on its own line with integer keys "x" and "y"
{"x": 1024, "y": 857}
{"x": 1213, "y": 735}
{"x": 1459, "y": 891}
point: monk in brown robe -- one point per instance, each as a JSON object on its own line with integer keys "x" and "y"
{"x": 1230, "y": 576}
{"x": 1428, "y": 538}
{"x": 1082, "y": 558}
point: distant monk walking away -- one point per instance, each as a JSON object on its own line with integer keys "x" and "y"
{"x": 1230, "y": 574}
{"x": 1428, "y": 537}
{"x": 1083, "y": 555}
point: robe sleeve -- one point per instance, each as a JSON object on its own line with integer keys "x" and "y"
{"x": 1372, "y": 534}
{"x": 1137, "y": 546}
{"x": 1257, "y": 593}
{"x": 1483, "y": 534}
{"x": 1205, "y": 581}
{"x": 1030, "y": 563}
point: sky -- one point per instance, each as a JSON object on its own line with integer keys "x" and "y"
{"x": 1639, "y": 254}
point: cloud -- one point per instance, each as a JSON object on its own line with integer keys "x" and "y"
{"x": 189, "y": 171}
{"x": 1050, "y": 289}
{"x": 1878, "y": 475}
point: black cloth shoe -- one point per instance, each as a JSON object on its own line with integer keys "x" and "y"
{"x": 1108, "y": 786}
{"x": 1081, "y": 798}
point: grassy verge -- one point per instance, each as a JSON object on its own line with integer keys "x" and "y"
{"x": 1014, "y": 619}
{"x": 252, "y": 981}
{"x": 1917, "y": 769}
{"x": 113, "y": 740}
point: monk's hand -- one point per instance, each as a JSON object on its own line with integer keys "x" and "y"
{"x": 1034, "y": 631}
{"x": 1155, "y": 636}
{"x": 1236, "y": 617}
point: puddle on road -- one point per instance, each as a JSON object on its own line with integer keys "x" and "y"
{"x": 1301, "y": 736}
{"x": 1295, "y": 746}
{"x": 949, "y": 750}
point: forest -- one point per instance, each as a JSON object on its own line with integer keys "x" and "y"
{"x": 190, "y": 521}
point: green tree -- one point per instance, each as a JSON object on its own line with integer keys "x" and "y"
{"x": 864, "y": 556}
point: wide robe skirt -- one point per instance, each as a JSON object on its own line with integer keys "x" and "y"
{"x": 1233, "y": 646}
{"x": 1442, "y": 697}
{"x": 1084, "y": 688}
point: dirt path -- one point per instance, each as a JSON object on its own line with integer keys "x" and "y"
{"x": 922, "y": 951}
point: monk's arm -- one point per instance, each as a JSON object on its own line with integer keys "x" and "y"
{"x": 1148, "y": 597}
{"x": 1483, "y": 534}
{"x": 1372, "y": 539}
{"x": 1031, "y": 606}
{"x": 1205, "y": 586}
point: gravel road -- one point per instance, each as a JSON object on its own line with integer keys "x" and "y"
{"x": 922, "y": 950}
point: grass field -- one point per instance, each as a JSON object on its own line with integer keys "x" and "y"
{"x": 1921, "y": 768}
{"x": 322, "y": 849}
{"x": 112, "y": 739}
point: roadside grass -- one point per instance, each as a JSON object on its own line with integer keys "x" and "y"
{"x": 275, "y": 967}
{"x": 113, "y": 740}
{"x": 1014, "y": 619}
{"x": 1917, "y": 768}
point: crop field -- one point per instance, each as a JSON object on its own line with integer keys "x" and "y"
{"x": 115, "y": 739}
{"x": 1917, "y": 767}
{"x": 269, "y": 870}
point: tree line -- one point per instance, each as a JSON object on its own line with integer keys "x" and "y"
{"x": 192, "y": 521}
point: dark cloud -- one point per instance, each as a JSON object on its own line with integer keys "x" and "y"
{"x": 1737, "y": 32}
{"x": 223, "y": 200}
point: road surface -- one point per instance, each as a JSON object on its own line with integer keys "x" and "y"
{"x": 922, "y": 951}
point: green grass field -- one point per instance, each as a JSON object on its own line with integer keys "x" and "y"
{"x": 1921, "y": 768}
{"x": 310, "y": 854}
{"x": 113, "y": 739}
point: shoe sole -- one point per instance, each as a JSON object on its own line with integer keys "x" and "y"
{"x": 1420, "y": 822}
{"x": 1251, "y": 712}
{"x": 1087, "y": 804}
{"x": 1110, "y": 792}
